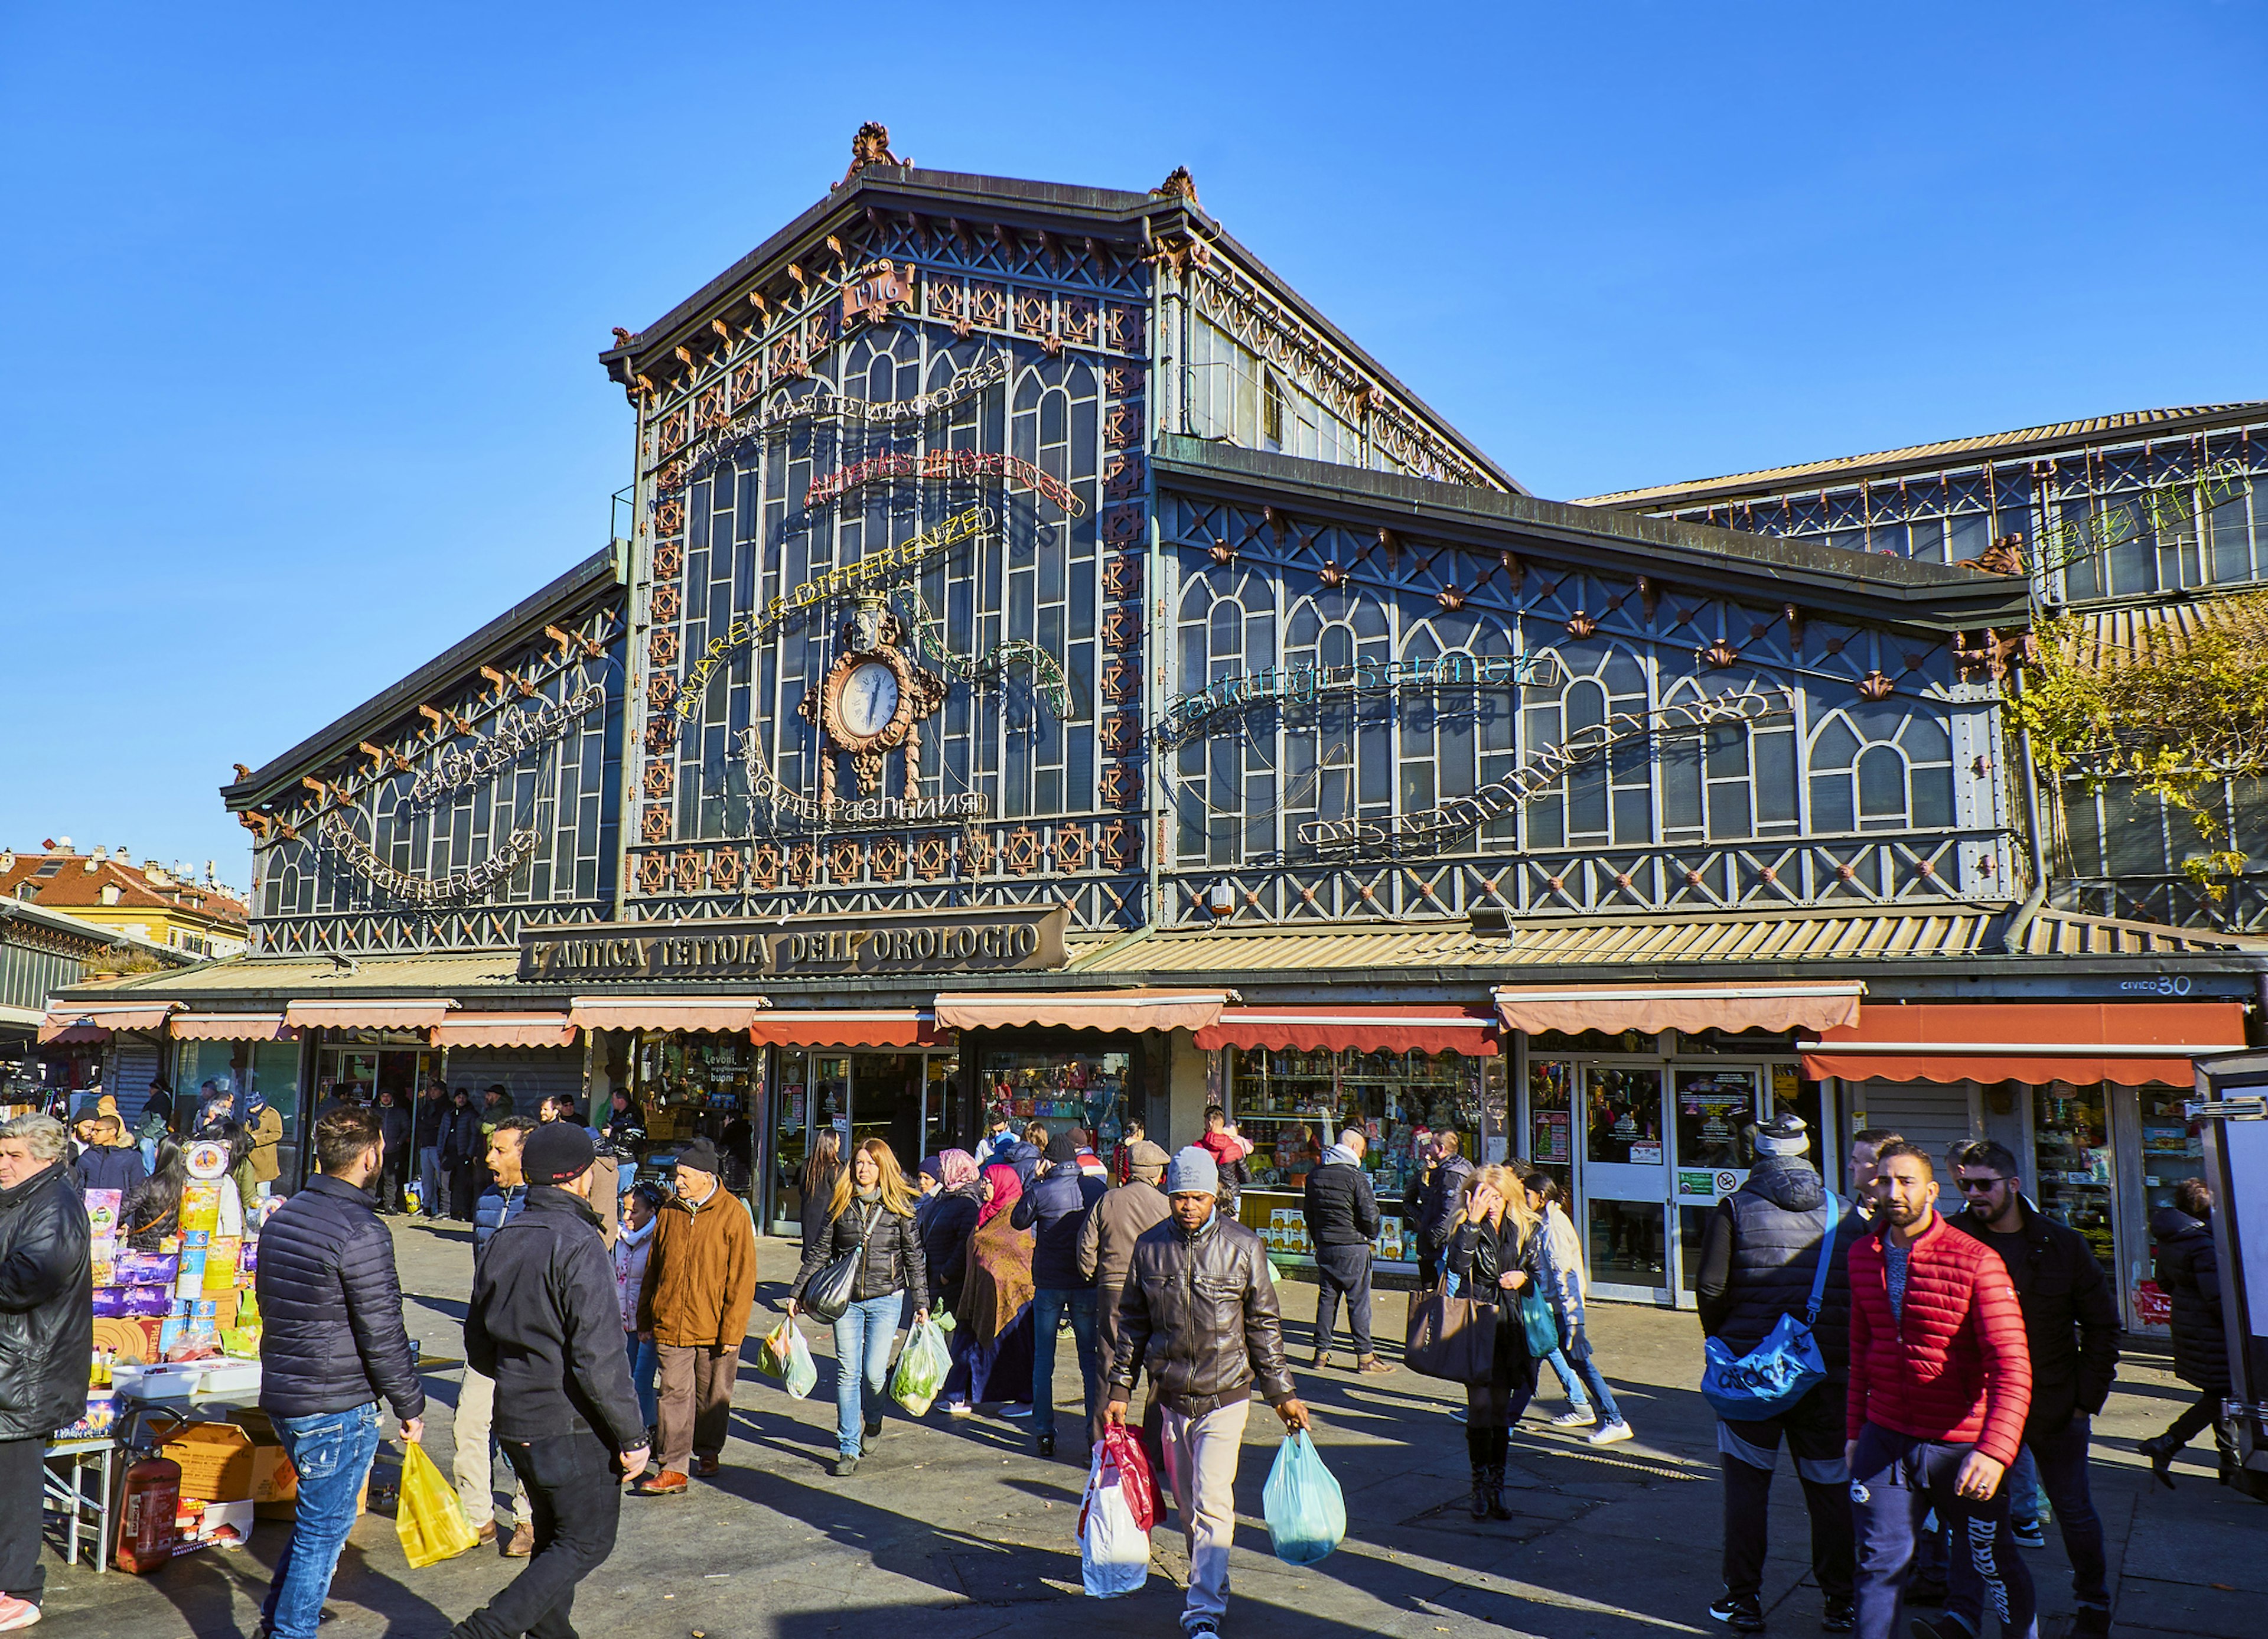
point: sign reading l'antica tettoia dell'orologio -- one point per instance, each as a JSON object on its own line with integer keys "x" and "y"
{"x": 987, "y": 940}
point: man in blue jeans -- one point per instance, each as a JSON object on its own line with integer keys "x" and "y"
{"x": 331, "y": 1346}
{"x": 1056, "y": 1207}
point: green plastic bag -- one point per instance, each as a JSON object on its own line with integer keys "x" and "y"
{"x": 922, "y": 1364}
{"x": 1307, "y": 1515}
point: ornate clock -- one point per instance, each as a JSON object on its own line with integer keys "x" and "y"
{"x": 873, "y": 701}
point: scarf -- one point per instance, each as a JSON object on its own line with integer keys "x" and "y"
{"x": 956, "y": 1167}
{"x": 1006, "y": 1188}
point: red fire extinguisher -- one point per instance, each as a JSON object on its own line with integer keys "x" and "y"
{"x": 149, "y": 1503}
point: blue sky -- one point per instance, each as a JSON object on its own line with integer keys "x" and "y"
{"x": 305, "y": 302}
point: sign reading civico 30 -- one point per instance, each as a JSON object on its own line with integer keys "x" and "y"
{"x": 988, "y": 940}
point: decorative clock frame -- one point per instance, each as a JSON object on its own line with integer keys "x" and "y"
{"x": 873, "y": 638}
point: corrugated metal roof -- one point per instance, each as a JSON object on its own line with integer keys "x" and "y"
{"x": 2105, "y": 638}
{"x": 311, "y": 976}
{"x": 1807, "y": 935}
{"x": 2060, "y": 433}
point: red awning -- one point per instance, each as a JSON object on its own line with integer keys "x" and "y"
{"x": 1692, "y": 1007}
{"x": 848, "y": 1028}
{"x": 94, "y": 1021}
{"x": 231, "y": 1027}
{"x": 1084, "y": 1009}
{"x": 505, "y": 1030}
{"x": 666, "y": 1012}
{"x": 1356, "y": 1029}
{"x": 2080, "y": 1042}
{"x": 384, "y": 1012}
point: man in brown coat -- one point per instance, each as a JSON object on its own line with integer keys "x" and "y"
{"x": 700, "y": 1284}
{"x": 1106, "y": 1245}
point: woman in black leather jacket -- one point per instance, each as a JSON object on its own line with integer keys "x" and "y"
{"x": 871, "y": 1214}
{"x": 1498, "y": 1249}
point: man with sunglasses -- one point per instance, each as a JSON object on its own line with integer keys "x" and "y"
{"x": 2071, "y": 1326}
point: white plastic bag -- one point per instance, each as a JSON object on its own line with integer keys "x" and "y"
{"x": 802, "y": 1376}
{"x": 1113, "y": 1549}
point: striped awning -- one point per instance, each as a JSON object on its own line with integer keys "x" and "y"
{"x": 231, "y": 1027}
{"x": 380, "y": 1013}
{"x": 505, "y": 1030}
{"x": 848, "y": 1028}
{"x": 94, "y": 1021}
{"x": 1358, "y": 1029}
{"x": 666, "y": 1012}
{"x": 1819, "y": 1005}
{"x": 1084, "y": 1010}
{"x": 2130, "y": 1044}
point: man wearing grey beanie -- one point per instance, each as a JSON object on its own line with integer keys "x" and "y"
{"x": 1198, "y": 1309}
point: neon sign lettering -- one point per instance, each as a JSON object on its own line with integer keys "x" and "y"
{"x": 943, "y": 464}
{"x": 1189, "y": 714}
{"x": 517, "y": 733}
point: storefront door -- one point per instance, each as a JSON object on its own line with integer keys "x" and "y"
{"x": 1712, "y": 1106}
{"x": 1626, "y": 1179}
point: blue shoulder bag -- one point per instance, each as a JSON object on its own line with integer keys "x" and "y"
{"x": 1785, "y": 1366}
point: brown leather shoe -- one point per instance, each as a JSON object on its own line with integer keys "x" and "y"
{"x": 1373, "y": 1365}
{"x": 707, "y": 1467}
{"x": 522, "y": 1543}
{"x": 668, "y": 1483}
{"x": 1321, "y": 1362}
{"x": 486, "y": 1533}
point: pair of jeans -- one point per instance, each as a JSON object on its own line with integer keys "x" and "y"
{"x": 1894, "y": 1480}
{"x": 643, "y": 1356}
{"x": 576, "y": 1505}
{"x": 331, "y": 1453}
{"x": 1049, "y": 1307}
{"x": 1748, "y": 1452}
{"x": 2060, "y": 1462}
{"x": 23, "y": 1469}
{"x": 1343, "y": 1270}
{"x": 863, "y": 1336}
{"x": 1571, "y": 1382}
{"x": 428, "y": 1181}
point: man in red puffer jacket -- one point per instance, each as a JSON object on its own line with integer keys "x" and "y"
{"x": 1940, "y": 1384}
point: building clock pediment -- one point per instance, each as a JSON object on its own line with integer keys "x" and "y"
{"x": 873, "y": 701}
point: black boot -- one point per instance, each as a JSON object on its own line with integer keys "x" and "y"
{"x": 1499, "y": 1447}
{"x": 1477, "y": 1446}
{"x": 2162, "y": 1453}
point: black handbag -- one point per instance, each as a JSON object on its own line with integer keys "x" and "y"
{"x": 1452, "y": 1338}
{"x": 826, "y": 1295}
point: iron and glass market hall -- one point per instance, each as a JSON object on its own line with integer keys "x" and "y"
{"x": 1051, "y": 672}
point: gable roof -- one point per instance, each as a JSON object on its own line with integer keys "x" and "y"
{"x": 523, "y": 621}
{"x": 1018, "y": 203}
{"x": 2024, "y": 441}
{"x": 73, "y": 886}
{"x": 1826, "y": 579}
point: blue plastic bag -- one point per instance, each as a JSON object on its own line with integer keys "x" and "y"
{"x": 1307, "y": 1515}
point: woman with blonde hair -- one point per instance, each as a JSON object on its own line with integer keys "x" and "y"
{"x": 871, "y": 1213}
{"x": 1571, "y": 1360}
{"x": 1499, "y": 1250}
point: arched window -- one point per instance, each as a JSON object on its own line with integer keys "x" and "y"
{"x": 1227, "y": 796}
{"x": 1604, "y": 799}
{"x": 1882, "y": 766}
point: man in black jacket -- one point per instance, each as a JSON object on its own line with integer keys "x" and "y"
{"x": 1198, "y": 1310}
{"x": 1343, "y": 1224}
{"x": 1760, "y": 1255}
{"x": 545, "y": 1322}
{"x": 1440, "y": 1192}
{"x": 432, "y": 1125}
{"x": 47, "y": 1311}
{"x": 1055, "y": 1207}
{"x": 331, "y": 1345}
{"x": 2189, "y": 1273}
{"x": 2071, "y": 1325}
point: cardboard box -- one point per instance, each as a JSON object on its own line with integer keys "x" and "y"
{"x": 214, "y": 1525}
{"x": 216, "y": 1460}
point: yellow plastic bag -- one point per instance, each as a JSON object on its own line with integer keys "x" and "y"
{"x": 427, "y": 1518}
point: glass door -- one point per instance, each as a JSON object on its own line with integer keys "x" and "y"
{"x": 791, "y": 1115}
{"x": 1626, "y": 1179}
{"x": 1714, "y": 1105}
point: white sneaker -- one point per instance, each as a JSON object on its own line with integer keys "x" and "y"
{"x": 1015, "y": 1411}
{"x": 15, "y": 1612}
{"x": 1613, "y": 1434}
{"x": 958, "y": 1408}
{"x": 1575, "y": 1417}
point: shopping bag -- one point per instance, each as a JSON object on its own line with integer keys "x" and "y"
{"x": 802, "y": 1376}
{"x": 828, "y": 1293}
{"x": 426, "y": 1518}
{"x": 1539, "y": 1322}
{"x": 772, "y": 1352}
{"x": 1307, "y": 1515}
{"x": 1114, "y": 1538}
{"x": 922, "y": 1364}
{"x": 1452, "y": 1338}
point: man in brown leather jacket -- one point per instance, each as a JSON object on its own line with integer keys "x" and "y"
{"x": 1198, "y": 1309}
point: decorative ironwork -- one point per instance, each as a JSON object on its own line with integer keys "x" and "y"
{"x": 764, "y": 788}
{"x": 1047, "y": 674}
{"x": 1188, "y": 715}
{"x": 470, "y": 883}
{"x": 1463, "y": 814}
{"x": 517, "y": 733}
{"x": 936, "y": 465}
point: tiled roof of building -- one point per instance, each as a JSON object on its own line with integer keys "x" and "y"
{"x": 2022, "y": 439}
{"x": 71, "y": 885}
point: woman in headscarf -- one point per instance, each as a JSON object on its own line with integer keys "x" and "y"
{"x": 947, "y": 1219}
{"x": 993, "y": 1331}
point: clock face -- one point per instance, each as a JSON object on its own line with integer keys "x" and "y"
{"x": 869, "y": 700}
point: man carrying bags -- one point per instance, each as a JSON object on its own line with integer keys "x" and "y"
{"x": 700, "y": 1284}
{"x": 545, "y": 1322}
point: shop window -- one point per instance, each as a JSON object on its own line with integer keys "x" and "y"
{"x": 2173, "y": 1149}
{"x": 1623, "y": 1122}
{"x": 1626, "y": 1242}
{"x": 1550, "y": 1120}
{"x": 1090, "y": 1090}
{"x": 2071, "y": 1142}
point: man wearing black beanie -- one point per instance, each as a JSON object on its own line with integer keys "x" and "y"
{"x": 545, "y": 1321}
